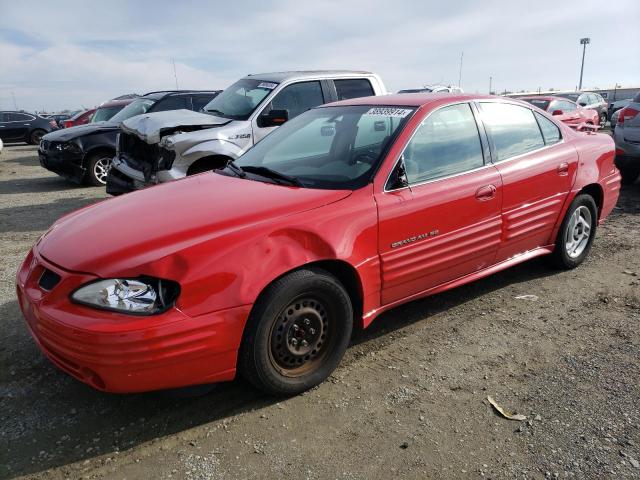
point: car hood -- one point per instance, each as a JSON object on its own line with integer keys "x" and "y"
{"x": 151, "y": 127}
{"x": 66, "y": 134}
{"x": 115, "y": 236}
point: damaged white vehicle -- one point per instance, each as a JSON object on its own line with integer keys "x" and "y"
{"x": 164, "y": 146}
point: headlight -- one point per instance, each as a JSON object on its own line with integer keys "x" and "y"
{"x": 167, "y": 143}
{"x": 67, "y": 147}
{"x": 143, "y": 296}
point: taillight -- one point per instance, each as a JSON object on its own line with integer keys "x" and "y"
{"x": 67, "y": 123}
{"x": 627, "y": 113}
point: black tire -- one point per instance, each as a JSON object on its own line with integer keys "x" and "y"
{"x": 561, "y": 256}
{"x": 36, "y": 136}
{"x": 96, "y": 176}
{"x": 629, "y": 175}
{"x": 308, "y": 300}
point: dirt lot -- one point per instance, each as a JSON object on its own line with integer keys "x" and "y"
{"x": 408, "y": 401}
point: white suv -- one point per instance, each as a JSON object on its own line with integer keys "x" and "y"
{"x": 164, "y": 146}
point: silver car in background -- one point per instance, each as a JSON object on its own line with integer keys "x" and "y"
{"x": 164, "y": 146}
{"x": 627, "y": 138}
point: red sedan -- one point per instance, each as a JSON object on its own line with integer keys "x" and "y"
{"x": 565, "y": 110}
{"x": 80, "y": 118}
{"x": 263, "y": 266}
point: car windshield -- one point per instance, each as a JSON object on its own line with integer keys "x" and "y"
{"x": 331, "y": 147}
{"x": 137, "y": 107}
{"x": 105, "y": 113}
{"x": 238, "y": 101}
{"x": 570, "y": 96}
{"x": 541, "y": 104}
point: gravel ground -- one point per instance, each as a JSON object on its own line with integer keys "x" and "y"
{"x": 408, "y": 401}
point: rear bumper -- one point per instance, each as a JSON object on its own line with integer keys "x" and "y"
{"x": 64, "y": 164}
{"x": 123, "y": 353}
{"x": 611, "y": 186}
{"x": 626, "y": 150}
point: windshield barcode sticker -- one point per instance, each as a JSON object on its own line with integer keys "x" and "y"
{"x": 268, "y": 85}
{"x": 389, "y": 112}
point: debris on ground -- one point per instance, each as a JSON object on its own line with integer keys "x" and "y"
{"x": 508, "y": 415}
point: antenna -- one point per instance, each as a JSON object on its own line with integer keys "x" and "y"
{"x": 175, "y": 75}
{"x": 460, "y": 75}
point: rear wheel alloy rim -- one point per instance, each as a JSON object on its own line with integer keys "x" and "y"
{"x": 37, "y": 136}
{"x": 300, "y": 337}
{"x": 101, "y": 169}
{"x": 578, "y": 232}
{"x": 603, "y": 120}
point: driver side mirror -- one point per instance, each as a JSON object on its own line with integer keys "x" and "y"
{"x": 398, "y": 178}
{"x": 557, "y": 112}
{"x": 274, "y": 118}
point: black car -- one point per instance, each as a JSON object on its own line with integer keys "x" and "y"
{"x": 24, "y": 127}
{"x": 83, "y": 154}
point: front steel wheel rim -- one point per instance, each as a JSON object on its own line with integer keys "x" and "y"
{"x": 578, "y": 232}
{"x": 101, "y": 169}
{"x": 301, "y": 337}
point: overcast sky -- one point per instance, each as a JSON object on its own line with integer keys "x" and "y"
{"x": 60, "y": 54}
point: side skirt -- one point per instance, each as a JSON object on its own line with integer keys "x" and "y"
{"x": 523, "y": 257}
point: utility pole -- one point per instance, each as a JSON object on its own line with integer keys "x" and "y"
{"x": 175, "y": 75}
{"x": 490, "y": 82}
{"x": 460, "y": 74}
{"x": 15, "y": 105}
{"x": 584, "y": 42}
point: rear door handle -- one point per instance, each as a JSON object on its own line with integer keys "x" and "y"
{"x": 563, "y": 169}
{"x": 486, "y": 193}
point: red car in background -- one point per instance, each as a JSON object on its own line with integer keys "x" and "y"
{"x": 264, "y": 265}
{"x": 80, "y": 118}
{"x": 102, "y": 113}
{"x": 565, "y": 110}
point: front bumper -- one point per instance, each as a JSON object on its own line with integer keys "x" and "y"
{"x": 123, "y": 353}
{"x": 64, "y": 163}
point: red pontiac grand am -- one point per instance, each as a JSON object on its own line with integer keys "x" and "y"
{"x": 263, "y": 266}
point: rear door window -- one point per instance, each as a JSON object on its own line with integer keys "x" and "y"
{"x": 446, "y": 143}
{"x": 513, "y": 129}
{"x": 353, "y": 88}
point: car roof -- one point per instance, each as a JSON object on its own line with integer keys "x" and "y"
{"x": 544, "y": 97}
{"x": 116, "y": 103}
{"x": 413, "y": 99}
{"x": 279, "y": 77}
{"x": 164, "y": 93}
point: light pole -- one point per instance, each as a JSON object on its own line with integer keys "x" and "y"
{"x": 584, "y": 42}
{"x": 490, "y": 82}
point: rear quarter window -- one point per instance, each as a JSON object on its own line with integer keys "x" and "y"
{"x": 550, "y": 131}
{"x": 353, "y": 88}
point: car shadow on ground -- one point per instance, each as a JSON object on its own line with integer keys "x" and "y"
{"x": 54, "y": 420}
{"x": 38, "y": 185}
{"x": 30, "y": 218}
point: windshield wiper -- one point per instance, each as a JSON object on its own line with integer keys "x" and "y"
{"x": 214, "y": 110}
{"x": 269, "y": 173}
{"x": 231, "y": 165}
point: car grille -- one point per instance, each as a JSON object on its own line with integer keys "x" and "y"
{"x": 48, "y": 280}
{"x": 137, "y": 149}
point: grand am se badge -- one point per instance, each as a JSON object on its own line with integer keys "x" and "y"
{"x": 417, "y": 238}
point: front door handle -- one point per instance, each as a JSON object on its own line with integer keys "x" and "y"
{"x": 486, "y": 193}
{"x": 563, "y": 169}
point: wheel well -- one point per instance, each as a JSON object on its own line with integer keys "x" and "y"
{"x": 94, "y": 151}
{"x": 207, "y": 163}
{"x": 345, "y": 273}
{"x": 595, "y": 191}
